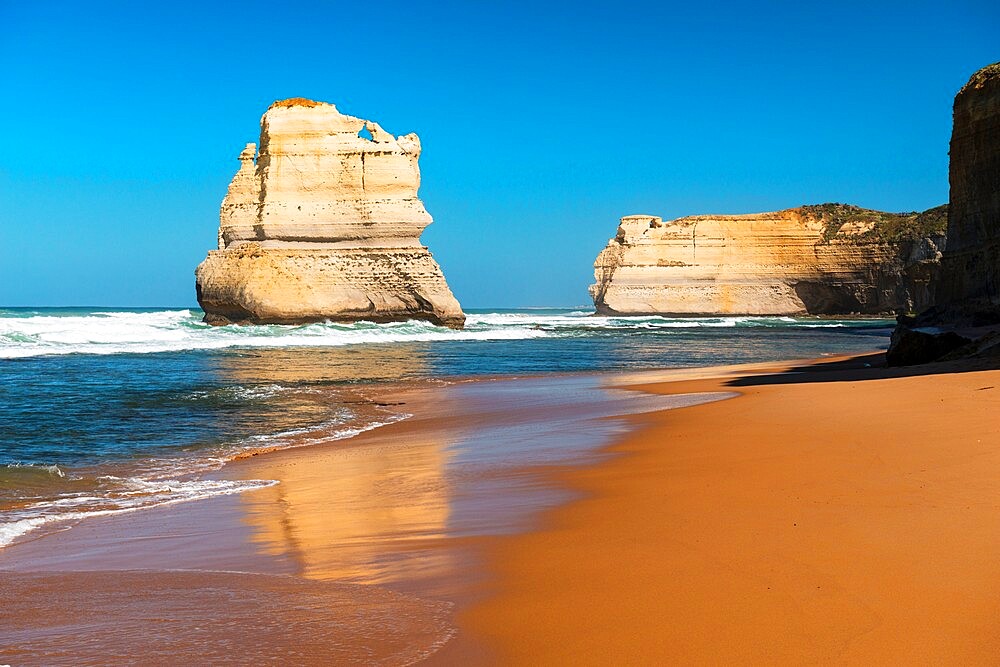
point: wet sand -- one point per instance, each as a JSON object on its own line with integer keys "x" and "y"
{"x": 830, "y": 513}
{"x": 836, "y": 514}
{"x": 375, "y": 536}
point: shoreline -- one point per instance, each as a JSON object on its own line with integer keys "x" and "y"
{"x": 398, "y": 509}
{"x": 380, "y": 511}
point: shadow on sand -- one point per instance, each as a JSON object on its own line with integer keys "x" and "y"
{"x": 864, "y": 367}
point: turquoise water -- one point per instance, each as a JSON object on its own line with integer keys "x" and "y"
{"x": 104, "y": 410}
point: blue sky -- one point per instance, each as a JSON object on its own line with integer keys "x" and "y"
{"x": 542, "y": 124}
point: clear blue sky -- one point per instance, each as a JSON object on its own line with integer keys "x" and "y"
{"x": 542, "y": 123}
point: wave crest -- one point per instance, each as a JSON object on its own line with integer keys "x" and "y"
{"x": 35, "y": 333}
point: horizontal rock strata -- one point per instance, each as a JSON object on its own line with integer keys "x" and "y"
{"x": 324, "y": 223}
{"x": 827, "y": 259}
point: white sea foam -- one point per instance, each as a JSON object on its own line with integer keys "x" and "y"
{"x": 36, "y": 333}
{"x": 164, "y": 481}
{"x": 178, "y": 330}
{"x": 556, "y": 323}
{"x": 144, "y": 494}
{"x": 12, "y": 530}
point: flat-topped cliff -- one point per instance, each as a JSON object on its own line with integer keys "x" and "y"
{"x": 826, "y": 259}
{"x": 324, "y": 223}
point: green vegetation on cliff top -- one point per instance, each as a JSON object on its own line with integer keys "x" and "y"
{"x": 882, "y": 227}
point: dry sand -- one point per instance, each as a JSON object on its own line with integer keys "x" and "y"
{"x": 833, "y": 516}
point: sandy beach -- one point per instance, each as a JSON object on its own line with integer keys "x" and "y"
{"x": 825, "y": 516}
{"x": 831, "y": 512}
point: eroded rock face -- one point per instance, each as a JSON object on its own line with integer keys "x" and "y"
{"x": 325, "y": 224}
{"x": 968, "y": 291}
{"x": 826, "y": 259}
{"x": 971, "y": 266}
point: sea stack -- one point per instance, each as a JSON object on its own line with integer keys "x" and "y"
{"x": 829, "y": 259}
{"x": 324, "y": 223}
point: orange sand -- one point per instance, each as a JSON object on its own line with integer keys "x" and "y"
{"x": 833, "y": 520}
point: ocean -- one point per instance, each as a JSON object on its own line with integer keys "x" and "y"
{"x": 115, "y": 410}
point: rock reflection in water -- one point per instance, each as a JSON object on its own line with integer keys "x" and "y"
{"x": 392, "y": 506}
{"x": 341, "y": 511}
{"x": 326, "y": 365}
{"x": 364, "y": 513}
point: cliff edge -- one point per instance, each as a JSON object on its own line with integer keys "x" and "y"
{"x": 970, "y": 269}
{"x": 324, "y": 223}
{"x": 965, "y": 319}
{"x": 826, "y": 259}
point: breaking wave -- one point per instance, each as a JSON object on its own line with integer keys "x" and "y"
{"x": 47, "y": 494}
{"x": 30, "y": 333}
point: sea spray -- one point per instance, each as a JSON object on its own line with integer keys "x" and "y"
{"x": 30, "y": 333}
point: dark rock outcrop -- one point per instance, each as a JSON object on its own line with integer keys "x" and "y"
{"x": 915, "y": 345}
{"x": 971, "y": 266}
{"x": 967, "y": 295}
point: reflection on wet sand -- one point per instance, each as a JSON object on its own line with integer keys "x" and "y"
{"x": 342, "y": 511}
{"x": 363, "y": 513}
{"x": 386, "y": 507}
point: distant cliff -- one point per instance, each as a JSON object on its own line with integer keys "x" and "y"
{"x": 823, "y": 260}
{"x": 324, "y": 224}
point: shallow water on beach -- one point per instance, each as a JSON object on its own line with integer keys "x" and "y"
{"x": 104, "y": 411}
{"x": 381, "y": 510}
{"x": 200, "y": 618}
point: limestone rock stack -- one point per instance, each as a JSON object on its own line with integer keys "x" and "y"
{"x": 826, "y": 259}
{"x": 324, "y": 223}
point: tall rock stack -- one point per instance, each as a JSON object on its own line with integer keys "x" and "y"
{"x": 971, "y": 266}
{"x": 823, "y": 260}
{"x": 965, "y": 322}
{"x": 325, "y": 224}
